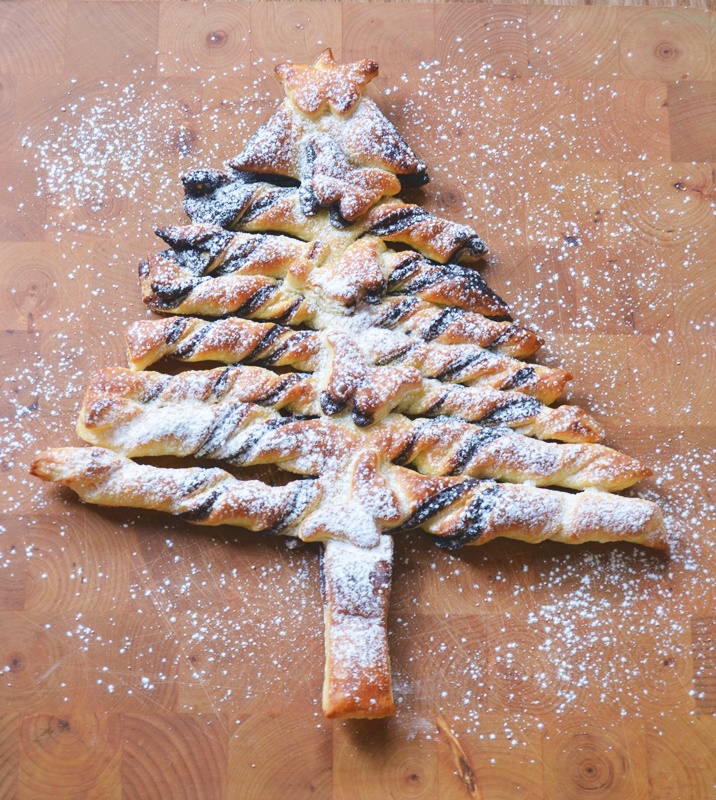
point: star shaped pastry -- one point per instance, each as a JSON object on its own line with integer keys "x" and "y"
{"x": 340, "y": 87}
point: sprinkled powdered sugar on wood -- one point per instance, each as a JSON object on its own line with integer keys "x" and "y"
{"x": 562, "y": 641}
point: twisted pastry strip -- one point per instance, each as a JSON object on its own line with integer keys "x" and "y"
{"x": 358, "y": 503}
{"x": 215, "y": 414}
{"x": 228, "y": 340}
{"x": 219, "y": 198}
{"x": 365, "y": 271}
{"x": 172, "y": 281}
{"x": 419, "y": 319}
{"x": 434, "y": 237}
{"x": 234, "y": 340}
{"x": 198, "y": 495}
{"x": 237, "y": 201}
{"x": 166, "y": 287}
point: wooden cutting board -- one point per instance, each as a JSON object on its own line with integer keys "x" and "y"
{"x": 144, "y": 658}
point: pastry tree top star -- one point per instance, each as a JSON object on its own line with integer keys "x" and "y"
{"x": 340, "y": 87}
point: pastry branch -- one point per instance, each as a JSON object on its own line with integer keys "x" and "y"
{"x": 364, "y": 269}
{"x": 276, "y": 279}
{"x": 224, "y": 414}
{"x": 414, "y": 317}
{"x": 268, "y": 299}
{"x": 348, "y": 380}
{"x": 400, "y": 290}
{"x": 202, "y": 496}
{"x": 359, "y": 503}
{"x": 238, "y": 201}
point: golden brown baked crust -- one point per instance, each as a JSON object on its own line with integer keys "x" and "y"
{"x": 326, "y": 84}
{"x": 335, "y": 275}
{"x": 349, "y": 380}
{"x": 355, "y": 585}
{"x": 233, "y": 414}
{"x": 368, "y": 497}
{"x": 303, "y": 228}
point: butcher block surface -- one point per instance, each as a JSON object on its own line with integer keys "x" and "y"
{"x": 141, "y": 657}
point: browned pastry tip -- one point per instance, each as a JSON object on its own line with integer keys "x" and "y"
{"x": 453, "y": 325}
{"x": 325, "y": 85}
{"x": 435, "y": 237}
{"x": 149, "y": 341}
{"x": 198, "y": 495}
{"x": 598, "y": 513}
{"x": 571, "y": 424}
{"x": 519, "y": 511}
{"x": 490, "y": 407}
{"x": 81, "y": 467}
{"x": 273, "y": 149}
{"x": 545, "y": 383}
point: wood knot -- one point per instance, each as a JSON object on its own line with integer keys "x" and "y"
{"x": 216, "y": 39}
{"x": 411, "y": 778}
{"x": 15, "y": 663}
{"x": 33, "y": 290}
{"x": 589, "y": 767}
{"x": 665, "y": 52}
{"x": 451, "y": 197}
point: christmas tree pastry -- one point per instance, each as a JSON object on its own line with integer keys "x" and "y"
{"x": 363, "y": 353}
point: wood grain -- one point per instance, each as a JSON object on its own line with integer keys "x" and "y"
{"x": 141, "y": 657}
{"x": 692, "y": 115}
{"x": 686, "y": 769}
{"x": 81, "y": 753}
{"x": 703, "y": 643}
{"x": 173, "y": 756}
{"x": 219, "y": 37}
{"x": 597, "y": 757}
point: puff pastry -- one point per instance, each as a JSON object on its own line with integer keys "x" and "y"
{"x": 348, "y": 381}
{"x": 276, "y": 278}
{"x": 402, "y": 400}
{"x": 233, "y": 414}
{"x": 355, "y": 585}
{"x": 355, "y": 505}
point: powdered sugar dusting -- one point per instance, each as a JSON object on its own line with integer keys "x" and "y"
{"x": 511, "y": 630}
